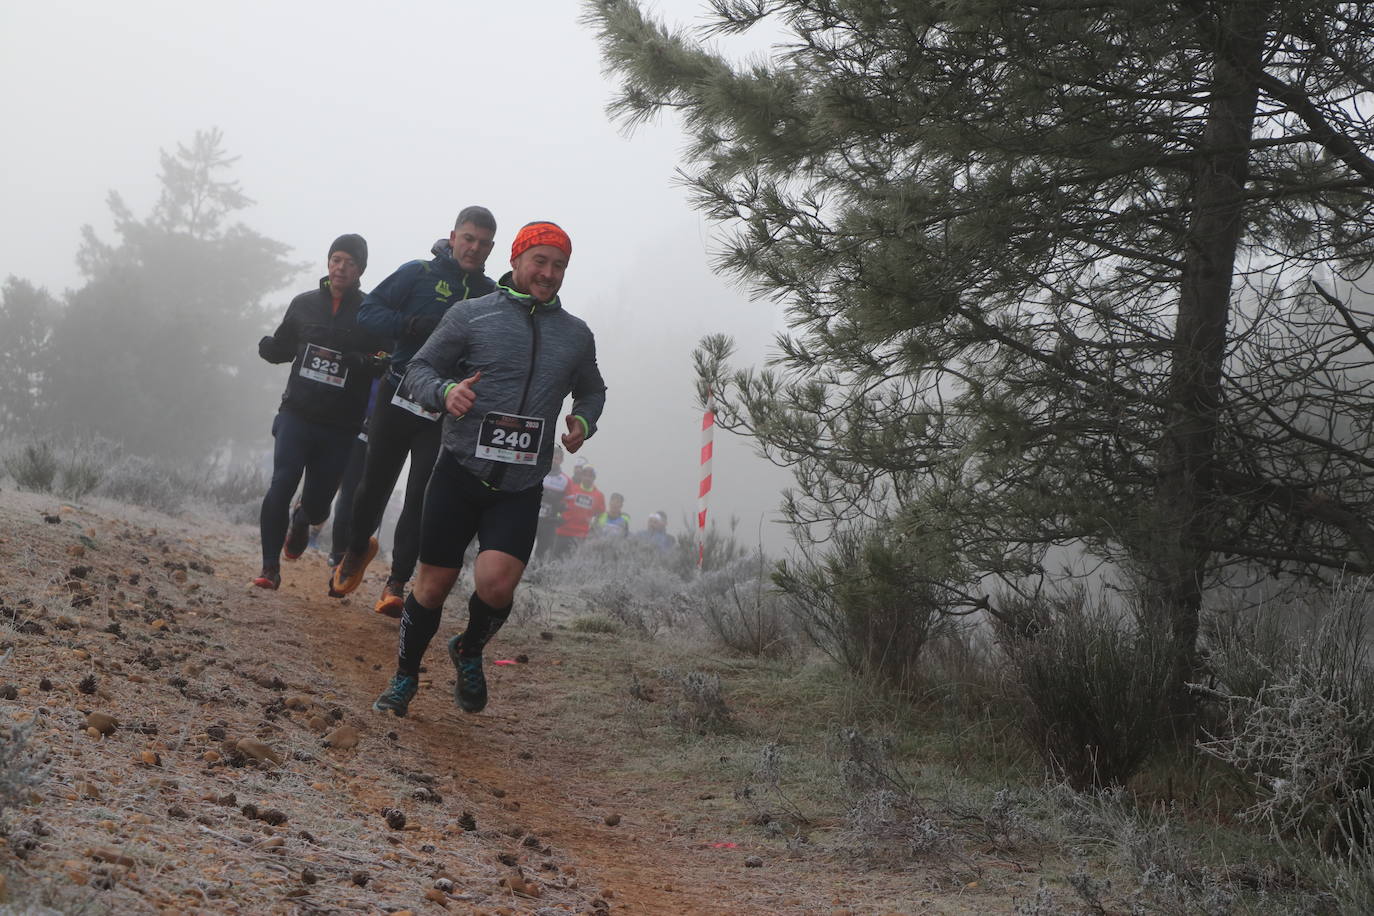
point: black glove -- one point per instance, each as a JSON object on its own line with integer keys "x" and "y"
{"x": 351, "y": 359}
{"x": 270, "y": 350}
{"x": 422, "y": 325}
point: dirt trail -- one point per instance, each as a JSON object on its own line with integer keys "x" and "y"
{"x": 158, "y": 617}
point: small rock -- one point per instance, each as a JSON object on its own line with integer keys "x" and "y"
{"x": 467, "y": 821}
{"x": 395, "y": 818}
{"x": 112, "y": 856}
{"x": 508, "y": 858}
{"x": 436, "y": 896}
{"x": 523, "y": 887}
{"x": 317, "y": 724}
{"x": 443, "y": 884}
{"x": 151, "y": 758}
{"x": 250, "y": 747}
{"x": 361, "y": 878}
{"x": 178, "y": 812}
{"x": 103, "y": 723}
{"x": 753, "y": 862}
{"x": 343, "y": 738}
{"x": 611, "y": 819}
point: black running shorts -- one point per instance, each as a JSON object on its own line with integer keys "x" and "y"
{"x": 458, "y": 506}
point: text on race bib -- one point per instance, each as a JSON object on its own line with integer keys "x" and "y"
{"x": 510, "y": 438}
{"x": 409, "y": 405}
{"x": 321, "y": 364}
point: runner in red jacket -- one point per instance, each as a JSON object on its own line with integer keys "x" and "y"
{"x": 582, "y": 503}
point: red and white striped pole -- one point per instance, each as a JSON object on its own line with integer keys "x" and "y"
{"x": 708, "y": 424}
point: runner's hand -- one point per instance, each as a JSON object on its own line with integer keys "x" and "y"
{"x": 460, "y": 397}
{"x": 573, "y": 438}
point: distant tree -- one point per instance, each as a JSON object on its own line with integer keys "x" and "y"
{"x": 157, "y": 350}
{"x": 1057, "y": 273}
{"x": 27, "y": 314}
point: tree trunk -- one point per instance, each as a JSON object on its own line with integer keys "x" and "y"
{"x": 1187, "y": 451}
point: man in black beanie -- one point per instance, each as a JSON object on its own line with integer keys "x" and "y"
{"x": 332, "y": 368}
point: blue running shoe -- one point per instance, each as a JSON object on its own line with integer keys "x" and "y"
{"x": 397, "y": 696}
{"x": 470, "y": 690}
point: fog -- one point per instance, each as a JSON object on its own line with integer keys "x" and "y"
{"x": 352, "y": 117}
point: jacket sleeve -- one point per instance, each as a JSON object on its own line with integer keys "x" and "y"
{"x": 589, "y": 390}
{"x": 437, "y": 362}
{"x": 281, "y": 345}
{"x": 382, "y": 313}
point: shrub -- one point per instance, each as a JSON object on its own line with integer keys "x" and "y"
{"x": 700, "y": 705}
{"x": 1094, "y": 688}
{"x": 20, "y": 768}
{"x": 884, "y": 818}
{"x": 1305, "y": 738}
{"x": 869, "y": 603}
{"x": 34, "y": 467}
{"x": 716, "y": 551}
{"x": 742, "y": 611}
{"x": 773, "y": 809}
{"x": 140, "y": 481}
{"x": 82, "y": 470}
{"x": 595, "y": 623}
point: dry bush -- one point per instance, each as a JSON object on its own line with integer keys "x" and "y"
{"x": 33, "y": 467}
{"x": 1094, "y": 687}
{"x": 21, "y": 768}
{"x": 869, "y": 603}
{"x": 741, "y": 610}
{"x": 1305, "y": 737}
{"x": 139, "y": 481}
{"x": 624, "y": 579}
{"x": 699, "y": 705}
{"x": 885, "y": 820}
{"x": 772, "y": 808}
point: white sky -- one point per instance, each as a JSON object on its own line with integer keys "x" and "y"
{"x": 386, "y": 119}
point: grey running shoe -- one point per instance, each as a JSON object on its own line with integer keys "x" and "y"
{"x": 470, "y": 690}
{"x": 397, "y": 696}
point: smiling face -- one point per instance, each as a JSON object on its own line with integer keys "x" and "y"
{"x": 343, "y": 272}
{"x": 539, "y": 271}
{"x": 471, "y": 244}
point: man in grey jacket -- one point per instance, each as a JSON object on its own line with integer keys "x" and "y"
{"x": 499, "y": 367}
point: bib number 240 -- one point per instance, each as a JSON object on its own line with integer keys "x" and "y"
{"x": 510, "y": 438}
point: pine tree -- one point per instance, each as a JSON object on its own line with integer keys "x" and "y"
{"x": 1058, "y": 274}
{"x": 157, "y": 350}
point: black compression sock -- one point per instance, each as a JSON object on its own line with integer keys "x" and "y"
{"x": 483, "y": 622}
{"x": 418, "y": 626}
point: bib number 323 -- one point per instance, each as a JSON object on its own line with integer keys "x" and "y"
{"x": 510, "y": 438}
{"x": 322, "y": 364}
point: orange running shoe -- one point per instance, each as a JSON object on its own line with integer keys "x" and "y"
{"x": 393, "y": 599}
{"x": 349, "y": 574}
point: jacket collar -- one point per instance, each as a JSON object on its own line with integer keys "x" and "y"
{"x": 443, "y": 256}
{"x": 525, "y": 299}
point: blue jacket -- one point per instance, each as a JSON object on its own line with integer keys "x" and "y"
{"x": 532, "y": 355}
{"x": 417, "y": 289}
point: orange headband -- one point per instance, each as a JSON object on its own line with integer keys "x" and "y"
{"x": 540, "y": 233}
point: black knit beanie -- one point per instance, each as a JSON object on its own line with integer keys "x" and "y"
{"x": 353, "y": 245}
